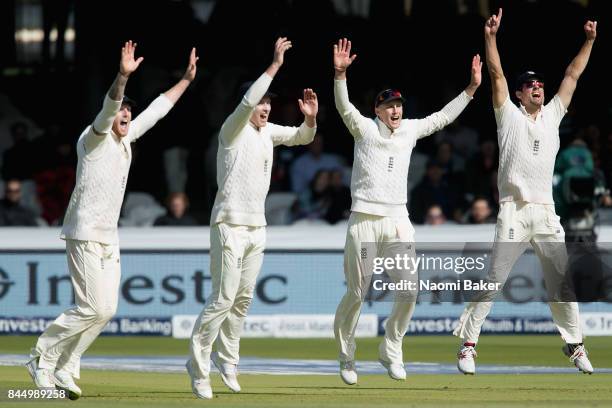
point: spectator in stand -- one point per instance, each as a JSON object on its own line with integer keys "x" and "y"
{"x": 452, "y": 164}
{"x": 479, "y": 172}
{"x": 435, "y": 216}
{"x": 308, "y": 164}
{"x": 16, "y": 160}
{"x": 327, "y": 198}
{"x": 480, "y": 212}
{"x": 464, "y": 140}
{"x": 313, "y": 203}
{"x": 340, "y": 198}
{"x": 12, "y": 213}
{"x": 177, "y": 215}
{"x": 279, "y": 177}
{"x": 56, "y": 178}
{"x": 434, "y": 189}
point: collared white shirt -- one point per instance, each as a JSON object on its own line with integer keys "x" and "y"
{"x": 382, "y": 156}
{"x": 527, "y": 151}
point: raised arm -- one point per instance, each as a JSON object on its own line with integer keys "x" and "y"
{"x": 342, "y": 58}
{"x": 578, "y": 64}
{"x": 498, "y": 81}
{"x": 239, "y": 118}
{"x": 103, "y": 123}
{"x": 127, "y": 64}
{"x": 291, "y": 136}
{"x": 438, "y": 120}
{"x": 351, "y": 117}
{"x": 177, "y": 90}
{"x": 163, "y": 103}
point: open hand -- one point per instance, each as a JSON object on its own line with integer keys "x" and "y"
{"x": 128, "y": 64}
{"x": 281, "y": 45}
{"x": 342, "y": 55}
{"x": 476, "y": 76}
{"x": 310, "y": 104}
{"x": 190, "y": 72}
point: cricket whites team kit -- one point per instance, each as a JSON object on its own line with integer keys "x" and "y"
{"x": 379, "y": 216}
{"x": 527, "y": 151}
{"x": 237, "y": 235}
{"x": 90, "y": 232}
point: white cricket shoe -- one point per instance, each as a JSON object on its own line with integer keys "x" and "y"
{"x": 465, "y": 360}
{"x": 200, "y": 386}
{"x": 65, "y": 381}
{"x": 42, "y": 377}
{"x": 579, "y": 358}
{"x": 229, "y": 372}
{"x": 348, "y": 372}
{"x": 396, "y": 371}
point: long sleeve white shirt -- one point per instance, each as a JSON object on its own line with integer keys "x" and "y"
{"x": 102, "y": 170}
{"x": 382, "y": 157}
{"x": 244, "y": 160}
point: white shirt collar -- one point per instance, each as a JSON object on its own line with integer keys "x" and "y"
{"x": 257, "y": 129}
{"x": 522, "y": 109}
{"x": 384, "y": 130}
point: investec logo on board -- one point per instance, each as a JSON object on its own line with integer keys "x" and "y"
{"x": 117, "y": 326}
{"x": 33, "y": 285}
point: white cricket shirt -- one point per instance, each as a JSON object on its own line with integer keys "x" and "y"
{"x": 527, "y": 151}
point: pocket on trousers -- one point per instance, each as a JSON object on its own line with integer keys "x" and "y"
{"x": 106, "y": 257}
{"x": 94, "y": 248}
{"x": 510, "y": 224}
{"x": 225, "y": 235}
{"x": 261, "y": 235}
{"x": 552, "y": 225}
{"x": 500, "y": 230}
{"x": 405, "y": 231}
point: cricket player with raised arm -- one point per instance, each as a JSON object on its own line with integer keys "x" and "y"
{"x": 379, "y": 191}
{"x": 528, "y": 137}
{"x": 90, "y": 225}
{"x": 237, "y": 232}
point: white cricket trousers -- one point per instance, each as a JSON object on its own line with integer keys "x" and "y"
{"x": 95, "y": 272}
{"x": 384, "y": 232}
{"x": 520, "y": 223}
{"x": 236, "y": 255}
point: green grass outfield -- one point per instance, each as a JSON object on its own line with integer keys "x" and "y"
{"x": 126, "y": 389}
{"x": 507, "y": 350}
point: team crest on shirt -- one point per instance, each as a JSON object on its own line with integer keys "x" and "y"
{"x": 390, "y": 164}
{"x": 364, "y": 253}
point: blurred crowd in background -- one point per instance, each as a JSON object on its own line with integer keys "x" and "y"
{"x": 57, "y": 64}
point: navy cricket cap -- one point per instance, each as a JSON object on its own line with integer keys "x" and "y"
{"x": 245, "y": 87}
{"x": 388, "y": 95}
{"x": 526, "y": 77}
